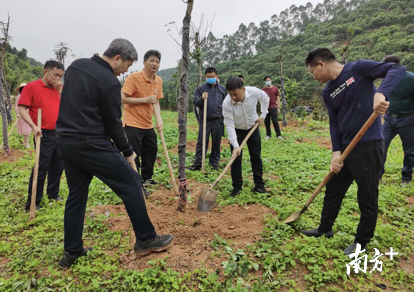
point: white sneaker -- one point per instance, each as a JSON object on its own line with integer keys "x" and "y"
{"x": 280, "y": 137}
{"x": 267, "y": 138}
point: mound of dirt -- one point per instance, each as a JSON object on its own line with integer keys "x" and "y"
{"x": 193, "y": 231}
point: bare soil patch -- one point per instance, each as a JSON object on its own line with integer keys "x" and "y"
{"x": 193, "y": 231}
{"x": 12, "y": 158}
{"x": 191, "y": 146}
{"x": 320, "y": 141}
{"x": 411, "y": 201}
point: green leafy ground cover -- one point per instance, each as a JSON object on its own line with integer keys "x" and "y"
{"x": 282, "y": 259}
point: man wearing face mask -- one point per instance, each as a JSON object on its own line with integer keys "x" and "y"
{"x": 215, "y": 94}
{"x": 44, "y": 94}
{"x": 274, "y": 108}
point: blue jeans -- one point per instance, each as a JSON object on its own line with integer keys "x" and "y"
{"x": 405, "y": 128}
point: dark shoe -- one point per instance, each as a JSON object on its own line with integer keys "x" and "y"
{"x": 215, "y": 167}
{"x": 146, "y": 194}
{"x": 194, "y": 167}
{"x": 57, "y": 198}
{"x": 350, "y": 249}
{"x": 405, "y": 181}
{"x": 67, "y": 261}
{"x": 158, "y": 243}
{"x": 235, "y": 192}
{"x": 150, "y": 181}
{"x": 37, "y": 208}
{"x": 260, "y": 190}
{"x": 315, "y": 233}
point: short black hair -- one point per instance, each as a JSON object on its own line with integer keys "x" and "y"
{"x": 267, "y": 77}
{"x": 54, "y": 64}
{"x": 21, "y": 89}
{"x": 234, "y": 83}
{"x": 210, "y": 70}
{"x": 154, "y": 53}
{"x": 319, "y": 54}
{"x": 240, "y": 76}
{"x": 391, "y": 59}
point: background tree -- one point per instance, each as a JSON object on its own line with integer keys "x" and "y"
{"x": 5, "y": 38}
{"x": 61, "y": 51}
{"x": 183, "y": 105}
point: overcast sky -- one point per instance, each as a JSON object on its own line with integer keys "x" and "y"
{"x": 89, "y": 26}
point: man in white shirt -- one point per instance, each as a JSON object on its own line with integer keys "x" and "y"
{"x": 239, "y": 112}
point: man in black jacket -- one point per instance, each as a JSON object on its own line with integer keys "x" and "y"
{"x": 214, "y": 93}
{"x": 91, "y": 137}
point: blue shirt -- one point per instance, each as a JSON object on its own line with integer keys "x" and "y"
{"x": 215, "y": 99}
{"x": 349, "y": 99}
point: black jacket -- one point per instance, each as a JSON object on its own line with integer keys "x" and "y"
{"x": 90, "y": 106}
{"x": 214, "y": 100}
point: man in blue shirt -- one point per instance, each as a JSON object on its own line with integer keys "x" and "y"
{"x": 350, "y": 97}
{"x": 215, "y": 94}
{"x": 400, "y": 120}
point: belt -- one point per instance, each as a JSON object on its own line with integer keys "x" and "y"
{"x": 401, "y": 116}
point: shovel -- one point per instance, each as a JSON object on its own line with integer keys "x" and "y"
{"x": 36, "y": 169}
{"x": 295, "y": 216}
{"x": 209, "y": 195}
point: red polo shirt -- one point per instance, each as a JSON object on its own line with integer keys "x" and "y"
{"x": 37, "y": 95}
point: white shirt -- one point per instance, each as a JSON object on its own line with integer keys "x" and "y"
{"x": 243, "y": 115}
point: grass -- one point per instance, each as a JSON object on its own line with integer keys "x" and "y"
{"x": 282, "y": 260}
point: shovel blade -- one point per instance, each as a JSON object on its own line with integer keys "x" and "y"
{"x": 292, "y": 218}
{"x": 206, "y": 200}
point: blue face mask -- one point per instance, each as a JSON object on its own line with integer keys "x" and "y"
{"x": 268, "y": 83}
{"x": 211, "y": 81}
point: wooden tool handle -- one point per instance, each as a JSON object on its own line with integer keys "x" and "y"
{"x": 234, "y": 157}
{"x": 164, "y": 145}
{"x": 203, "y": 160}
{"x": 344, "y": 155}
{"x": 36, "y": 169}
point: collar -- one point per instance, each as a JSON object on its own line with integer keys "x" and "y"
{"x": 103, "y": 63}
{"x": 146, "y": 77}
{"x": 44, "y": 84}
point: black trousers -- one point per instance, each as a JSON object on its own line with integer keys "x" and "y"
{"x": 255, "y": 148}
{"x": 362, "y": 165}
{"x": 215, "y": 128}
{"x": 144, "y": 143}
{"x": 272, "y": 114}
{"x": 82, "y": 162}
{"x": 50, "y": 164}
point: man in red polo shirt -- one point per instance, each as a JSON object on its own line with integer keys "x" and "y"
{"x": 44, "y": 94}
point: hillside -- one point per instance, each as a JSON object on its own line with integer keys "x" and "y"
{"x": 20, "y": 68}
{"x": 367, "y": 29}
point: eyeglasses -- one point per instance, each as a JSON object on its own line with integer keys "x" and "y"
{"x": 313, "y": 70}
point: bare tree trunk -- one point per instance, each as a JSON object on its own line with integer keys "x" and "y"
{"x": 183, "y": 107}
{"x": 199, "y": 76}
{"x": 282, "y": 87}
{"x": 6, "y": 146}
